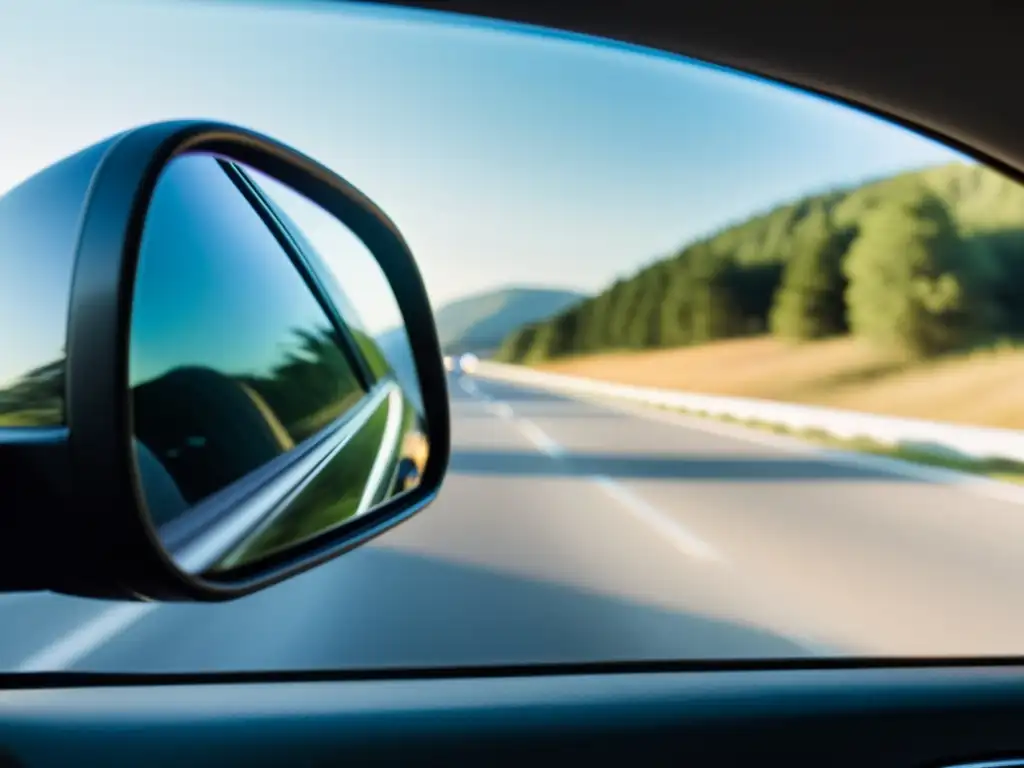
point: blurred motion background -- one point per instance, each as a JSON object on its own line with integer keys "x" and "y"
{"x": 584, "y": 209}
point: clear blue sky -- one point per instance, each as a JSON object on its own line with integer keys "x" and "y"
{"x": 504, "y": 156}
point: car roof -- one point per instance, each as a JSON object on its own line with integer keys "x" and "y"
{"x": 951, "y": 74}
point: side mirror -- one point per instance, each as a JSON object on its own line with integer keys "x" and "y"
{"x": 194, "y": 409}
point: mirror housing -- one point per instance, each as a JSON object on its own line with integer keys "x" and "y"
{"x": 75, "y": 517}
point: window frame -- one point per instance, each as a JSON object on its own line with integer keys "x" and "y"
{"x": 306, "y": 267}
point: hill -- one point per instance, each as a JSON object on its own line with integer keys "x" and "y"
{"x": 476, "y": 323}
{"x": 927, "y": 261}
{"x": 479, "y": 322}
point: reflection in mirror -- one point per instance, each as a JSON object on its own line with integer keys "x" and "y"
{"x": 368, "y": 303}
{"x": 265, "y": 410}
{"x": 39, "y": 221}
{"x": 35, "y": 399}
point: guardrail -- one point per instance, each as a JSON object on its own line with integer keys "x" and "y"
{"x": 937, "y": 437}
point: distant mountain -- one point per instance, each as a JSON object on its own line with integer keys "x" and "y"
{"x": 475, "y": 324}
{"x": 478, "y": 323}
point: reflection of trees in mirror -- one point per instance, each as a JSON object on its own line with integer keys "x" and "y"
{"x": 371, "y": 351}
{"x": 315, "y": 372}
{"x": 36, "y": 399}
{"x": 210, "y": 429}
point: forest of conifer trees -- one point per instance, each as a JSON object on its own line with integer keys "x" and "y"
{"x": 927, "y": 262}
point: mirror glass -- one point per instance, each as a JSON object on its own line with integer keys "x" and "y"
{"x": 273, "y": 388}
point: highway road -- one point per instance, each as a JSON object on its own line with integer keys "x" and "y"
{"x": 576, "y": 531}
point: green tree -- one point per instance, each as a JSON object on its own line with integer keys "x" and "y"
{"x": 810, "y": 303}
{"x": 545, "y": 342}
{"x": 773, "y": 271}
{"x": 910, "y": 284}
{"x": 626, "y": 297}
{"x": 676, "y": 309}
{"x": 754, "y": 287}
{"x": 516, "y": 346}
{"x": 713, "y": 309}
{"x": 644, "y": 328}
{"x": 565, "y": 334}
{"x": 601, "y": 333}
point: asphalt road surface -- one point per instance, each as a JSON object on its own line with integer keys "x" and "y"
{"x": 574, "y": 531}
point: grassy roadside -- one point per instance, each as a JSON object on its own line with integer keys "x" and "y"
{"x": 980, "y": 388}
{"x": 1006, "y": 470}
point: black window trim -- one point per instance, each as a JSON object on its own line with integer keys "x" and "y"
{"x": 265, "y": 210}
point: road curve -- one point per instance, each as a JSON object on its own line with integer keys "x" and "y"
{"x": 574, "y": 531}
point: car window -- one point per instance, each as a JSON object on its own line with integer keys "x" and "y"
{"x": 233, "y": 361}
{"x": 733, "y": 368}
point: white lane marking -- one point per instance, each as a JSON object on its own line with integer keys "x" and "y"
{"x": 470, "y": 388}
{"x": 501, "y": 410}
{"x": 671, "y": 530}
{"x": 85, "y": 638}
{"x": 496, "y": 407}
{"x": 540, "y": 438}
{"x": 977, "y": 484}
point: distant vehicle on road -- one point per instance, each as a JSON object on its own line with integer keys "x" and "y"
{"x": 460, "y": 363}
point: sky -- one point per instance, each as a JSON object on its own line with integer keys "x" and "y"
{"x": 505, "y": 155}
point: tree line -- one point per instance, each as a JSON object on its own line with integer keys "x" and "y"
{"x": 313, "y": 383}
{"x": 35, "y": 399}
{"x": 927, "y": 262}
